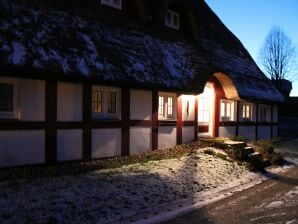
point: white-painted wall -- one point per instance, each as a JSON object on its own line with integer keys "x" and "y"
{"x": 275, "y": 114}
{"x": 190, "y": 100}
{"x": 263, "y": 132}
{"x": 226, "y": 131}
{"x": 69, "y": 145}
{"x": 167, "y": 136}
{"x": 187, "y": 134}
{"x": 69, "y": 101}
{"x": 248, "y": 132}
{"x": 31, "y": 95}
{"x": 140, "y": 140}
{"x": 141, "y": 105}
{"x": 106, "y": 143}
{"x": 275, "y": 131}
{"x": 22, "y": 148}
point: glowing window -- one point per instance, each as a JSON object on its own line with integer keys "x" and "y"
{"x": 226, "y": 110}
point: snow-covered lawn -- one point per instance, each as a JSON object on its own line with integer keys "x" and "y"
{"x": 289, "y": 149}
{"x": 119, "y": 195}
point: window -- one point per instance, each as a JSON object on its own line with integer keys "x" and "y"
{"x": 166, "y": 106}
{"x": 106, "y": 102}
{"x": 227, "y": 110}
{"x": 172, "y": 20}
{"x": 246, "y": 112}
{"x": 204, "y": 106}
{"x": 113, "y": 3}
{"x": 7, "y": 100}
{"x": 264, "y": 113}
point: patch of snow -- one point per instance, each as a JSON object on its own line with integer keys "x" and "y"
{"x": 82, "y": 66}
{"x": 37, "y": 64}
{"x": 267, "y": 216}
{"x": 275, "y": 204}
{"x": 292, "y": 221}
{"x": 17, "y": 56}
{"x": 293, "y": 193}
{"x": 172, "y": 64}
{"x": 4, "y": 26}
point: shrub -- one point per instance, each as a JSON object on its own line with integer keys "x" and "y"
{"x": 239, "y": 139}
{"x": 256, "y": 163}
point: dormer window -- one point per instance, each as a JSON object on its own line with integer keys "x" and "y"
{"x": 172, "y": 19}
{"x": 113, "y": 3}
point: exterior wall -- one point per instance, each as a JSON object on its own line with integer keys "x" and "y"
{"x": 21, "y": 148}
{"x": 190, "y": 114}
{"x": 264, "y": 132}
{"x": 31, "y": 100}
{"x": 140, "y": 105}
{"x": 69, "y": 145}
{"x": 275, "y": 131}
{"x": 275, "y": 114}
{"x": 227, "y": 131}
{"x": 106, "y": 143}
{"x": 140, "y": 139}
{"x": 248, "y": 132}
{"x": 167, "y": 136}
{"x": 69, "y": 102}
{"x": 187, "y": 134}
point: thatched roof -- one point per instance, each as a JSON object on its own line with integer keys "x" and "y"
{"x": 61, "y": 45}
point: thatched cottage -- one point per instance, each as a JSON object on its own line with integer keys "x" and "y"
{"x": 97, "y": 79}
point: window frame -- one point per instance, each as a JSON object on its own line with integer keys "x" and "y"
{"x": 231, "y": 110}
{"x": 202, "y": 109}
{"x": 171, "y": 23}
{"x": 105, "y": 114}
{"x": 112, "y": 3}
{"x": 268, "y": 113}
{"x": 11, "y": 114}
{"x": 247, "y": 112}
{"x": 164, "y": 107}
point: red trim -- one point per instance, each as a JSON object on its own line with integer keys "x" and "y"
{"x": 50, "y": 122}
{"x": 179, "y": 120}
{"x": 125, "y": 113}
{"x": 154, "y": 120}
{"x": 196, "y": 130}
{"x": 189, "y": 123}
{"x": 87, "y": 133}
{"x": 204, "y": 129}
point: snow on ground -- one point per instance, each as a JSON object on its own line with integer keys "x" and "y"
{"x": 119, "y": 195}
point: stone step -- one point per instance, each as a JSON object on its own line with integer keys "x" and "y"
{"x": 235, "y": 145}
{"x": 249, "y": 149}
{"x": 255, "y": 154}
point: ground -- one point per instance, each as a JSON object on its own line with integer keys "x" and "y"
{"x": 146, "y": 192}
{"x": 272, "y": 201}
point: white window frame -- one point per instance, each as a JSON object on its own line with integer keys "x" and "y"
{"x": 227, "y": 110}
{"x": 11, "y": 114}
{"x": 104, "y": 114}
{"x": 112, "y": 3}
{"x": 170, "y": 23}
{"x": 264, "y": 113}
{"x": 204, "y": 98}
{"x": 247, "y": 111}
{"x": 163, "y": 108}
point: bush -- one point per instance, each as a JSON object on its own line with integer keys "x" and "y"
{"x": 239, "y": 139}
{"x": 276, "y": 159}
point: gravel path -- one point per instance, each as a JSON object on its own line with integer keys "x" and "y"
{"x": 117, "y": 195}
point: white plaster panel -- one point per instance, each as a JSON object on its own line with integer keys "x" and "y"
{"x": 190, "y": 100}
{"x": 275, "y": 114}
{"x": 275, "y": 131}
{"x": 263, "y": 132}
{"x": 69, "y": 145}
{"x": 140, "y": 140}
{"x": 106, "y": 143}
{"x": 22, "y": 148}
{"x": 140, "y": 105}
{"x": 187, "y": 134}
{"x": 248, "y": 132}
{"x": 31, "y": 100}
{"x": 167, "y": 136}
{"x": 226, "y": 131}
{"x": 69, "y": 102}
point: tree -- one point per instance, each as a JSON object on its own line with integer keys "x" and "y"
{"x": 277, "y": 55}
